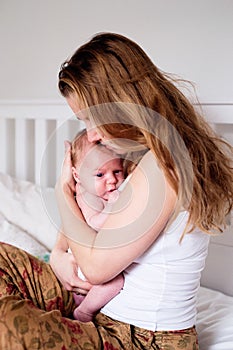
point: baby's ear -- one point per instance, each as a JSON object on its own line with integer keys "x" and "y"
{"x": 75, "y": 174}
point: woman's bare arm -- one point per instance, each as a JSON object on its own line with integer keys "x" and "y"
{"x": 138, "y": 217}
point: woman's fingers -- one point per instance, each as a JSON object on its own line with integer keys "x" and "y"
{"x": 67, "y": 176}
{"x": 80, "y": 291}
{"x": 81, "y": 287}
{"x": 67, "y": 145}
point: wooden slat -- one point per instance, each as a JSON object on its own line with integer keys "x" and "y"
{"x": 21, "y": 146}
{"x": 34, "y": 109}
{"x": 51, "y": 116}
{"x": 218, "y": 113}
{"x": 40, "y": 144}
{"x": 61, "y": 136}
{"x": 3, "y": 146}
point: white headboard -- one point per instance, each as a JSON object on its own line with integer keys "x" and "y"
{"x": 26, "y": 127}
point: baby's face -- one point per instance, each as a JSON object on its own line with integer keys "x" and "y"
{"x": 101, "y": 172}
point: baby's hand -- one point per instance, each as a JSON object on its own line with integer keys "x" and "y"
{"x": 113, "y": 196}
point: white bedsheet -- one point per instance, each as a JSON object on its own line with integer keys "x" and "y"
{"x": 214, "y": 320}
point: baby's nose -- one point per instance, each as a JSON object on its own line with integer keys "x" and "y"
{"x": 112, "y": 179}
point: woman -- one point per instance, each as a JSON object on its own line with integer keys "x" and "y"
{"x": 157, "y": 231}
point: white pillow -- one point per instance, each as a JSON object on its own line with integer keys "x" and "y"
{"x": 31, "y": 208}
{"x": 12, "y": 234}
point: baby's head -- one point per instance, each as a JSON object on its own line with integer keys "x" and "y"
{"x": 97, "y": 169}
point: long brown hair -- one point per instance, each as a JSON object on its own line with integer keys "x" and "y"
{"x": 113, "y": 71}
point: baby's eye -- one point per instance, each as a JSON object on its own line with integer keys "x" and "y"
{"x": 99, "y": 174}
{"x": 117, "y": 171}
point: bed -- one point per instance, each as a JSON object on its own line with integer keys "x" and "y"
{"x": 31, "y": 143}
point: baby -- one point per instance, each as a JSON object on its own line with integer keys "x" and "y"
{"x": 98, "y": 173}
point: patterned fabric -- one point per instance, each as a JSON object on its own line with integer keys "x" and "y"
{"x": 45, "y": 257}
{"x": 36, "y": 313}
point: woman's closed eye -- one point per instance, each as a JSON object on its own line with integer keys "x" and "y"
{"x": 119, "y": 171}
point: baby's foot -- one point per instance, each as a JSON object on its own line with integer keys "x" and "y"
{"x": 78, "y": 298}
{"x": 82, "y": 316}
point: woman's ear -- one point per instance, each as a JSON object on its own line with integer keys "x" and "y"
{"x": 75, "y": 174}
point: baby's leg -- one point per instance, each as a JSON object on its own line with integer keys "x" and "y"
{"x": 97, "y": 297}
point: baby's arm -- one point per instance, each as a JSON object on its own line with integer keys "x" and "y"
{"x": 93, "y": 207}
{"x": 95, "y": 214}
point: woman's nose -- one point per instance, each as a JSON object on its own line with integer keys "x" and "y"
{"x": 93, "y": 135}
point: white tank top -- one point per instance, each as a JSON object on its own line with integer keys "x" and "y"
{"x": 161, "y": 286}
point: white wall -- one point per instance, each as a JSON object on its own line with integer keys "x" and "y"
{"x": 191, "y": 38}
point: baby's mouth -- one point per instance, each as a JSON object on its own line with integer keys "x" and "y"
{"x": 111, "y": 190}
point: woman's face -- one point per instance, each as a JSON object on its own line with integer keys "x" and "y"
{"x": 93, "y": 133}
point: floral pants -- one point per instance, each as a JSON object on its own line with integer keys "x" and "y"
{"x": 36, "y": 313}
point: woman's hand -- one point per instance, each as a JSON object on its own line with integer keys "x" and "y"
{"x": 66, "y": 269}
{"x": 67, "y": 179}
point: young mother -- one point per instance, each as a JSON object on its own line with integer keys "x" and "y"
{"x": 157, "y": 231}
